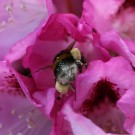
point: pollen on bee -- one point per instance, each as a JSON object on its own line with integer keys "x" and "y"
{"x": 76, "y": 53}
{"x": 63, "y": 89}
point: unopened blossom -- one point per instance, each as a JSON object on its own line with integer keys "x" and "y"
{"x": 17, "y": 115}
{"x": 18, "y": 19}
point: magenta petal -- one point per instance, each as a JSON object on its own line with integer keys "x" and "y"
{"x": 39, "y": 56}
{"x": 38, "y": 98}
{"x": 47, "y": 99}
{"x": 68, "y": 6}
{"x": 59, "y": 26}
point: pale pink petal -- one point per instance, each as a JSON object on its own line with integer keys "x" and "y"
{"x": 39, "y": 98}
{"x": 97, "y": 13}
{"x": 120, "y": 75}
{"x": 126, "y": 104}
{"x": 18, "y": 19}
{"x": 47, "y": 99}
{"x": 98, "y": 70}
{"x": 79, "y": 124}
{"x": 124, "y": 23}
{"x": 115, "y": 44}
{"x": 17, "y": 115}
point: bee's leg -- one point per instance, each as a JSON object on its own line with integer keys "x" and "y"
{"x": 73, "y": 89}
{"x": 79, "y": 65}
{"x": 84, "y": 61}
{"x": 61, "y": 89}
{"x": 59, "y": 96}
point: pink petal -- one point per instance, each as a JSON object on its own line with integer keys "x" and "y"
{"x": 114, "y": 43}
{"x": 75, "y": 124}
{"x": 8, "y": 82}
{"x": 39, "y": 98}
{"x": 126, "y": 104}
{"x": 124, "y": 21}
{"x": 39, "y": 56}
{"x": 47, "y": 99}
{"x": 59, "y": 26}
{"x": 17, "y": 115}
{"x": 98, "y": 13}
{"x": 123, "y": 77}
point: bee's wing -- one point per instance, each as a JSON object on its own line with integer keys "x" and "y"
{"x": 69, "y": 48}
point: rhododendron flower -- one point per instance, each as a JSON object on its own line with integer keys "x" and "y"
{"x": 56, "y": 35}
{"x": 17, "y": 115}
{"x": 18, "y": 19}
{"x": 98, "y": 90}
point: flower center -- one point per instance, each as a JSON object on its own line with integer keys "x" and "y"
{"x": 129, "y": 3}
{"x": 101, "y": 107}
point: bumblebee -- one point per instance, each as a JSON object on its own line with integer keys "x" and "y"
{"x": 67, "y": 64}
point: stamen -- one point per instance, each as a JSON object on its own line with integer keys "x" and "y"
{"x": 30, "y": 123}
{"x": 3, "y": 24}
{"x": 8, "y": 8}
{"x": 23, "y": 6}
